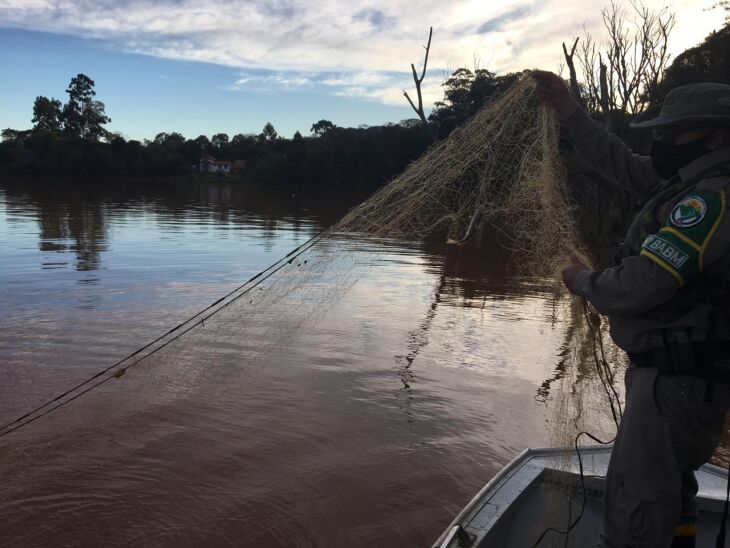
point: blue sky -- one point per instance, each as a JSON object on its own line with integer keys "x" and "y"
{"x": 208, "y": 66}
{"x": 145, "y": 95}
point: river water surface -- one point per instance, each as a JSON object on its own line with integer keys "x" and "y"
{"x": 364, "y": 407}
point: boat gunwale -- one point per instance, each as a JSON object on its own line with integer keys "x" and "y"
{"x": 522, "y": 459}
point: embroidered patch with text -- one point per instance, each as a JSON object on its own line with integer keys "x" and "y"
{"x": 679, "y": 246}
{"x": 665, "y": 249}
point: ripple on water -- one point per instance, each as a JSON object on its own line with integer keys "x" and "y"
{"x": 322, "y": 418}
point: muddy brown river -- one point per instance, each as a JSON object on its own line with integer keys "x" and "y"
{"x": 367, "y": 419}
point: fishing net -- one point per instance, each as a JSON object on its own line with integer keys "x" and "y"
{"x": 503, "y": 170}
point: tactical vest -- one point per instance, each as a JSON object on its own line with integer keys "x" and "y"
{"x": 649, "y": 220}
{"x": 656, "y": 210}
{"x": 652, "y": 216}
{"x": 677, "y": 354}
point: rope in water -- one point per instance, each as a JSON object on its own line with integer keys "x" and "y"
{"x": 118, "y": 369}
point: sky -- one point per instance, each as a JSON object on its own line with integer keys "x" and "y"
{"x": 210, "y": 66}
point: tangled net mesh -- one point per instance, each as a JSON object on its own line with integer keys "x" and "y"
{"x": 502, "y": 169}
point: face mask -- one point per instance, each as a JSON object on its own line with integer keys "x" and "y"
{"x": 669, "y": 158}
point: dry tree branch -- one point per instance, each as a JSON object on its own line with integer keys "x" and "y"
{"x": 623, "y": 73}
{"x": 418, "y": 81}
{"x": 571, "y": 68}
{"x": 604, "y": 98}
{"x": 587, "y": 59}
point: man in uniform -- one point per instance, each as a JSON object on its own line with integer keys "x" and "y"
{"x": 668, "y": 303}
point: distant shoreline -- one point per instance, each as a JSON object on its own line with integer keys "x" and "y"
{"x": 196, "y": 178}
{"x": 189, "y": 178}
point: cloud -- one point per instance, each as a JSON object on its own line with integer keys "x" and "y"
{"x": 359, "y": 48}
{"x": 264, "y": 82}
{"x": 374, "y": 17}
{"x": 383, "y": 87}
{"x": 497, "y": 23}
{"x": 359, "y": 79}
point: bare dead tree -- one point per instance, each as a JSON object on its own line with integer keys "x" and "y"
{"x": 623, "y": 73}
{"x": 571, "y": 68}
{"x": 655, "y": 37}
{"x": 604, "y": 100}
{"x": 589, "y": 59}
{"x": 418, "y": 81}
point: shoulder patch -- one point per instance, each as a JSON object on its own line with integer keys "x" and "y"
{"x": 679, "y": 246}
{"x": 689, "y": 212}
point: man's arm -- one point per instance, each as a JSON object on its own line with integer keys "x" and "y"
{"x": 633, "y": 288}
{"x": 608, "y": 155}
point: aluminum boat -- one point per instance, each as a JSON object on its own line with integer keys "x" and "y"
{"x": 541, "y": 488}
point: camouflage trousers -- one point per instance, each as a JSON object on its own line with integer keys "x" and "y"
{"x": 669, "y": 429}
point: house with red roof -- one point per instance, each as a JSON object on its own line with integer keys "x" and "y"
{"x": 209, "y": 164}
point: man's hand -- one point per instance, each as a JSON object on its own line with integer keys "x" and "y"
{"x": 552, "y": 92}
{"x": 571, "y": 271}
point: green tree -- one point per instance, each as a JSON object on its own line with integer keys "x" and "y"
{"x": 112, "y": 137}
{"x": 9, "y": 135}
{"x": 46, "y": 115}
{"x": 706, "y": 62}
{"x": 465, "y": 92}
{"x": 83, "y": 116}
{"x": 322, "y": 127}
{"x": 243, "y": 147}
{"x": 175, "y": 140}
{"x": 269, "y": 133}
{"x": 94, "y": 118}
{"x": 170, "y": 140}
{"x": 219, "y": 140}
{"x": 239, "y": 139}
{"x": 456, "y": 88}
{"x": 203, "y": 142}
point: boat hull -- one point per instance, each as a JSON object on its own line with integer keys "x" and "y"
{"x": 541, "y": 489}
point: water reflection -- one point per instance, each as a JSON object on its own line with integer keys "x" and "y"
{"x": 77, "y": 225}
{"x": 416, "y": 341}
{"x": 76, "y": 216}
{"x": 371, "y": 423}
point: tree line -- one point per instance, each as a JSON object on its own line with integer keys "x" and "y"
{"x": 71, "y": 140}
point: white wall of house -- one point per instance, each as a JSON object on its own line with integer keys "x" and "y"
{"x": 214, "y": 167}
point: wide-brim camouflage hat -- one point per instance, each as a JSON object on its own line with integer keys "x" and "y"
{"x": 694, "y": 103}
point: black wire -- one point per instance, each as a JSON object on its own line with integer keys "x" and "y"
{"x": 613, "y": 399}
{"x": 583, "y": 492}
{"x": 570, "y": 517}
{"x": 720, "y": 540}
{"x": 259, "y": 278}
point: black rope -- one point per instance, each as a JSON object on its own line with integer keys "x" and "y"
{"x": 258, "y": 278}
{"x": 614, "y": 401}
{"x": 583, "y": 492}
{"x": 720, "y": 540}
{"x": 570, "y": 519}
